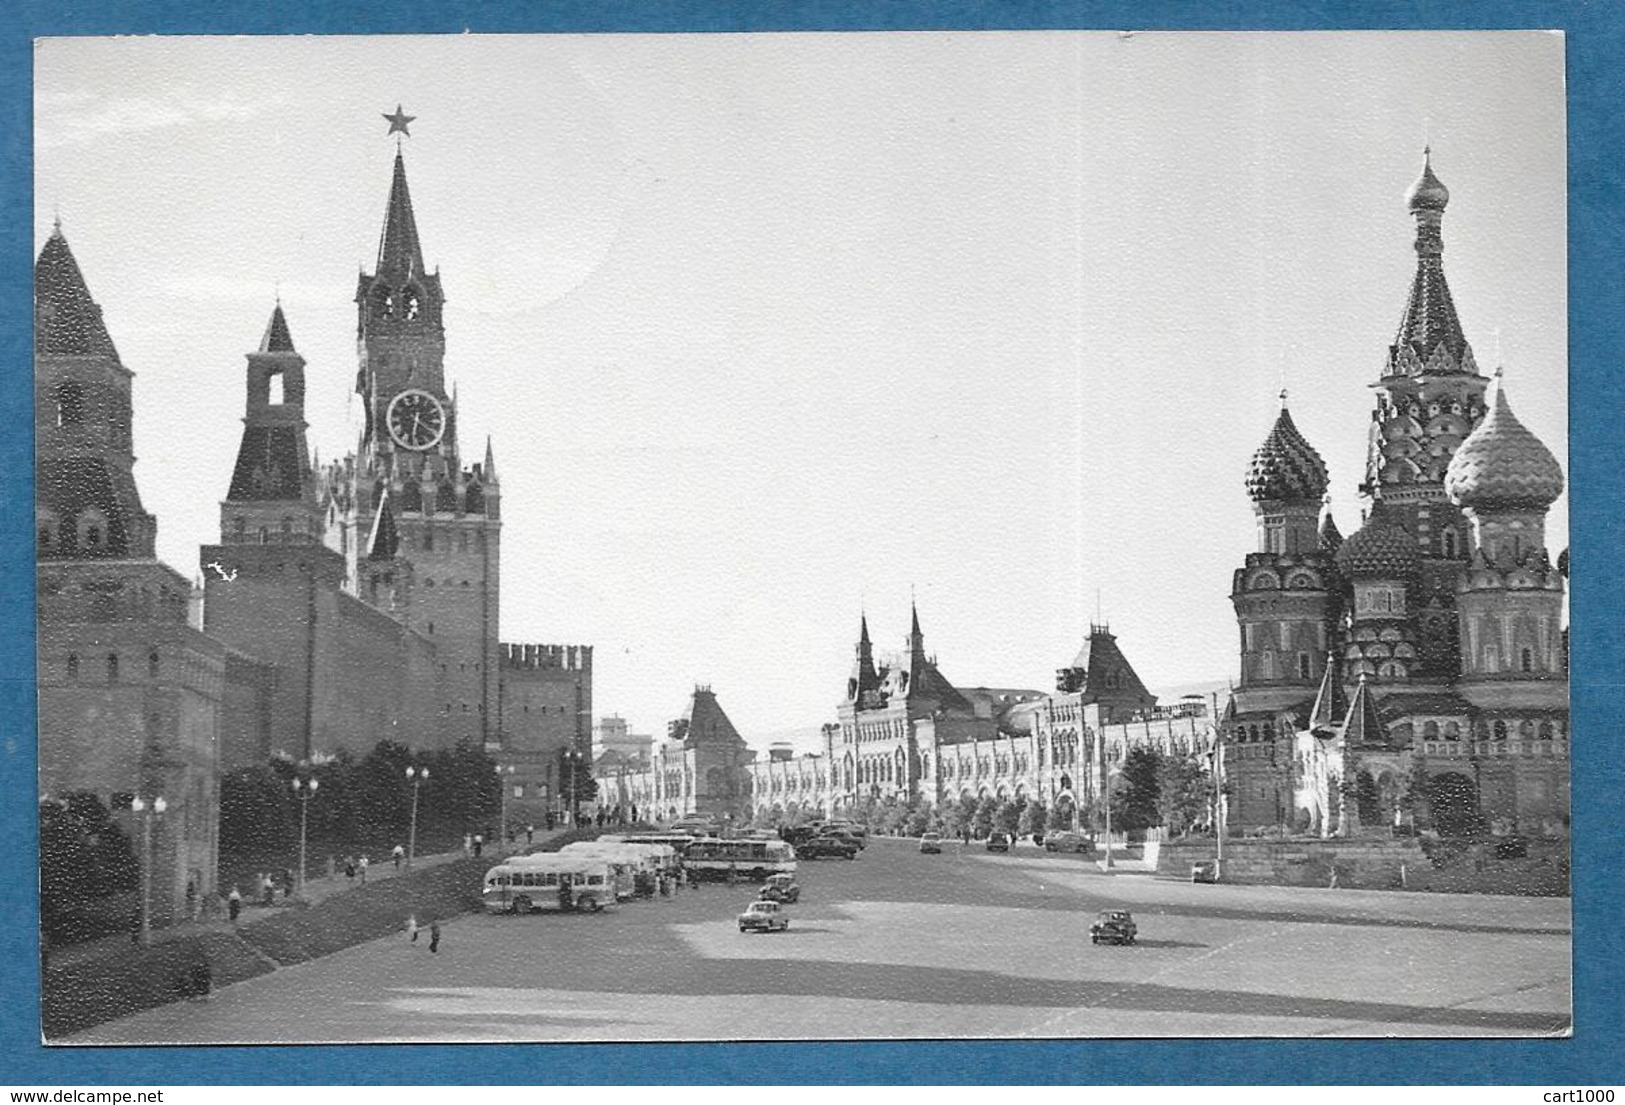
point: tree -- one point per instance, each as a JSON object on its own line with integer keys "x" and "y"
{"x": 1034, "y": 818}
{"x": 1008, "y": 815}
{"x": 1186, "y": 791}
{"x": 919, "y": 819}
{"x": 84, "y": 858}
{"x": 256, "y": 810}
{"x": 981, "y": 821}
{"x": 1065, "y": 811}
{"x": 1136, "y": 795}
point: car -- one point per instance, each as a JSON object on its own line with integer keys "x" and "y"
{"x": 763, "y": 916}
{"x": 780, "y": 888}
{"x": 821, "y": 846}
{"x": 1065, "y": 840}
{"x": 998, "y": 842}
{"x": 1113, "y": 926}
{"x": 931, "y": 844}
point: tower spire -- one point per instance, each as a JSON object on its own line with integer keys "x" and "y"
{"x": 399, "y": 251}
{"x": 1430, "y": 338}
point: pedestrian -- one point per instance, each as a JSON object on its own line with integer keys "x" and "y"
{"x": 530, "y": 834}
{"x": 398, "y": 854}
{"x": 412, "y": 928}
{"x": 287, "y": 883}
{"x": 468, "y": 844}
{"x": 267, "y": 890}
{"x": 479, "y": 844}
{"x": 434, "y": 937}
{"x": 191, "y": 900}
{"x": 349, "y": 867}
{"x": 550, "y": 821}
{"x": 363, "y": 866}
{"x": 234, "y": 903}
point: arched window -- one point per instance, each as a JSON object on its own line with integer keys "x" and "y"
{"x": 411, "y": 303}
{"x": 73, "y": 665}
{"x": 152, "y": 664}
{"x": 1447, "y": 543}
{"x": 383, "y": 301}
{"x": 92, "y": 530}
{"x": 1303, "y": 665}
{"x": 1500, "y": 730}
{"x": 112, "y": 667}
{"x": 265, "y": 536}
{"x": 1527, "y": 659}
{"x": 1452, "y": 731}
{"x": 1430, "y": 730}
{"x": 70, "y": 403}
{"x": 1545, "y": 730}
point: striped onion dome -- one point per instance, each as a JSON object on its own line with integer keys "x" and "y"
{"x": 1502, "y": 464}
{"x": 1381, "y": 549}
{"x": 1286, "y": 467}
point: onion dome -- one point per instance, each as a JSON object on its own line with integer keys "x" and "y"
{"x": 1286, "y": 467}
{"x": 1502, "y": 464}
{"x": 1382, "y": 549}
{"x": 1429, "y": 192}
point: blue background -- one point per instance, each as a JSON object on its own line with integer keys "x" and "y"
{"x": 1596, "y": 73}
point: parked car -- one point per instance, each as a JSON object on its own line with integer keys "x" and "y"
{"x": 1113, "y": 926}
{"x": 763, "y": 916}
{"x": 1065, "y": 840}
{"x": 780, "y": 888}
{"x": 821, "y": 846}
{"x": 998, "y": 841}
{"x": 931, "y": 844}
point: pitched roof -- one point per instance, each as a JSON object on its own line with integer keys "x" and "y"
{"x": 1363, "y": 725}
{"x": 1100, "y": 659}
{"x": 66, "y": 319}
{"x": 398, "y": 248}
{"x": 1331, "y": 704}
{"x": 705, "y": 722}
{"x": 385, "y": 539}
{"x": 1430, "y": 337}
{"x": 269, "y": 466}
{"x": 276, "y": 338}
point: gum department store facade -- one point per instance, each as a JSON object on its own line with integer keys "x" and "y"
{"x": 1416, "y": 671}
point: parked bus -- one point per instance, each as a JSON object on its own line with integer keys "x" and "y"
{"x": 632, "y": 869}
{"x": 549, "y": 881}
{"x": 677, "y": 842}
{"x": 755, "y": 859}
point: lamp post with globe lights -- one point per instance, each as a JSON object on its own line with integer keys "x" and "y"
{"x": 505, "y": 774}
{"x": 148, "y": 809}
{"x": 305, "y": 790}
{"x": 417, "y": 776}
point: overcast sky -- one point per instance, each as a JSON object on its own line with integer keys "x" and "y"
{"x": 771, "y": 329}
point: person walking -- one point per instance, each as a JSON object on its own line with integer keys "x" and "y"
{"x": 363, "y": 866}
{"x": 412, "y": 928}
{"x": 434, "y": 937}
{"x": 530, "y": 834}
{"x": 398, "y": 854}
{"x": 234, "y": 903}
{"x": 479, "y": 844}
{"x": 191, "y": 900}
{"x": 468, "y": 844}
{"x": 349, "y": 868}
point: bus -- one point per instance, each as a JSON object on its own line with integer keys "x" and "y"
{"x": 632, "y": 869}
{"x": 755, "y": 859}
{"x": 549, "y": 881}
{"x": 677, "y": 842}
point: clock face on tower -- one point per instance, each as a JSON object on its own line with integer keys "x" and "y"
{"x": 416, "y": 420}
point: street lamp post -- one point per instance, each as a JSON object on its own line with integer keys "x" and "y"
{"x": 571, "y": 759}
{"x": 305, "y": 789}
{"x": 148, "y": 810}
{"x": 504, "y": 777}
{"x": 1109, "y": 773}
{"x": 417, "y": 776}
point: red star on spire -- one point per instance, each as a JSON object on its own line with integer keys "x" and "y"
{"x": 398, "y": 121}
